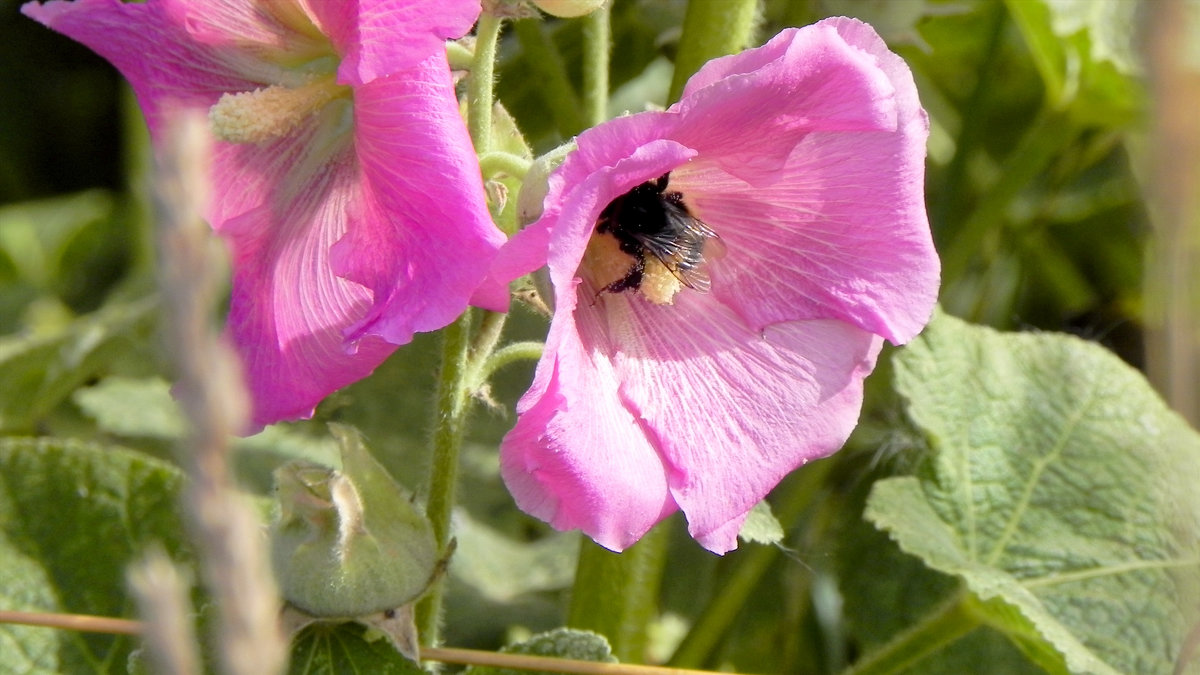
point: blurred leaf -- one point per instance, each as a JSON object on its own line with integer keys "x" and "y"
{"x": 133, "y": 407}
{"x": 1059, "y": 490}
{"x": 72, "y": 516}
{"x": 37, "y": 372}
{"x": 761, "y": 526}
{"x": 1084, "y": 53}
{"x": 142, "y": 408}
{"x": 563, "y": 643}
{"x": 327, "y": 648}
{"x": 486, "y": 560}
{"x": 71, "y": 246}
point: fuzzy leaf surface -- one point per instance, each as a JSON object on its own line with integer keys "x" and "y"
{"x": 1057, "y": 490}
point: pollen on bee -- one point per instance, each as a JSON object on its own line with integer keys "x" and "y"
{"x": 659, "y": 285}
{"x": 604, "y": 262}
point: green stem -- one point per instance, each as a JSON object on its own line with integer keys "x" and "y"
{"x": 481, "y": 83}
{"x": 461, "y": 355}
{"x": 597, "y": 45}
{"x": 511, "y": 353}
{"x": 944, "y": 625}
{"x": 616, "y": 594}
{"x": 478, "y": 356}
{"x": 447, "y": 441}
{"x": 750, "y": 566}
{"x": 496, "y": 162}
{"x": 711, "y": 28}
{"x": 547, "y": 65}
{"x": 460, "y": 57}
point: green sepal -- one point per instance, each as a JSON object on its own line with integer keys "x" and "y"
{"x": 350, "y": 542}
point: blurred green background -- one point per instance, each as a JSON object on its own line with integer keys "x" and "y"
{"x": 1037, "y": 180}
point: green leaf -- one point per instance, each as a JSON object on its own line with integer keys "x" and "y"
{"x": 485, "y": 559}
{"x": 563, "y": 643}
{"x": 1058, "y": 490}
{"x": 133, "y": 407}
{"x": 346, "y": 648}
{"x": 72, "y": 516}
{"x": 37, "y": 372}
{"x": 36, "y": 236}
{"x": 1084, "y": 52}
{"x": 761, "y": 526}
{"x": 142, "y": 408}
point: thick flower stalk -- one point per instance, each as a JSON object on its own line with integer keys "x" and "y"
{"x": 724, "y": 273}
{"x": 343, "y": 179}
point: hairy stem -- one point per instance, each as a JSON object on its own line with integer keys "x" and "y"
{"x": 711, "y": 28}
{"x": 597, "y": 45}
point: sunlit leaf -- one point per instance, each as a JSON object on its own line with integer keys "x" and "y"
{"x": 1059, "y": 490}
{"x": 761, "y": 526}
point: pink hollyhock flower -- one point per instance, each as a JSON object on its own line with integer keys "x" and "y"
{"x": 343, "y": 178}
{"x": 724, "y": 273}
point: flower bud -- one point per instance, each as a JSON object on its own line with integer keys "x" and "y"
{"x": 349, "y": 543}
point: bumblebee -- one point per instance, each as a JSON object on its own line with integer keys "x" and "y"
{"x": 654, "y": 227}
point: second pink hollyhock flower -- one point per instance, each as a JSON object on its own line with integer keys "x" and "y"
{"x": 343, "y": 177}
{"x": 724, "y": 273}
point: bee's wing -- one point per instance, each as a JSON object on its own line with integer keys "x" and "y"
{"x": 684, "y": 248}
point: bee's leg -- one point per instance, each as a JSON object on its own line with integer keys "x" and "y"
{"x": 631, "y": 280}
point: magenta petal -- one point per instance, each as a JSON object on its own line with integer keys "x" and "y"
{"x": 289, "y": 312}
{"x": 748, "y": 122}
{"x": 839, "y": 234}
{"x": 732, "y": 409}
{"x": 423, "y": 240}
{"x": 577, "y": 458}
{"x": 805, "y": 157}
{"x": 381, "y": 37}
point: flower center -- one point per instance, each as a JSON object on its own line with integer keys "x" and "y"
{"x": 270, "y": 112}
{"x": 647, "y": 240}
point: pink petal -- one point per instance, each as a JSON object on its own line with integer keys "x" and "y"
{"x": 289, "y": 312}
{"x": 841, "y": 233}
{"x": 423, "y": 241}
{"x": 749, "y": 121}
{"x": 381, "y": 37}
{"x": 730, "y": 408}
{"x": 577, "y": 458}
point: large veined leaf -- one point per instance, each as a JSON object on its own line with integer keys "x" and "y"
{"x": 1059, "y": 489}
{"x": 72, "y": 516}
{"x": 346, "y": 648}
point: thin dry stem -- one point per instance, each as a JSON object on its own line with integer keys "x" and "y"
{"x": 440, "y": 654}
{"x": 80, "y": 622}
{"x": 228, "y": 537}
{"x": 1172, "y": 280}
{"x": 162, "y": 599}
